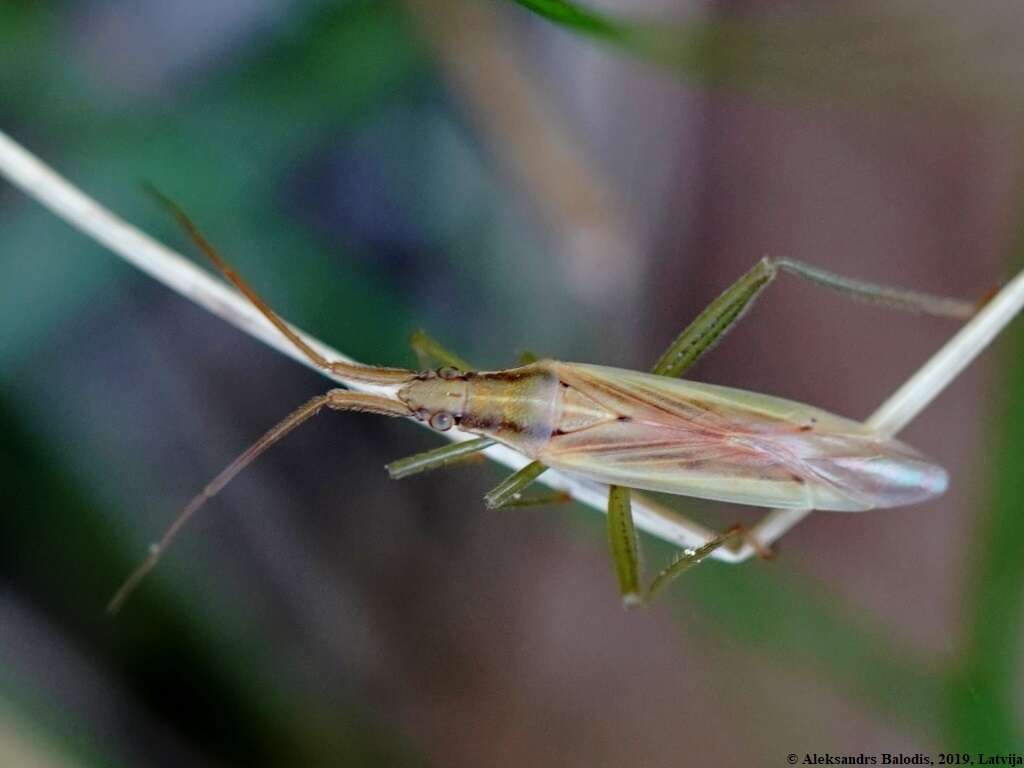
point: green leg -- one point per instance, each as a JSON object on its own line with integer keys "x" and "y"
{"x": 510, "y": 489}
{"x": 625, "y": 549}
{"x": 716, "y": 320}
{"x": 725, "y": 311}
{"x": 687, "y": 559}
{"x": 539, "y": 499}
{"x": 699, "y": 337}
{"x": 624, "y": 545}
{"x": 438, "y": 458}
{"x": 896, "y": 298}
{"x": 431, "y": 353}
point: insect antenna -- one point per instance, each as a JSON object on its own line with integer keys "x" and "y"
{"x": 337, "y": 399}
{"x": 367, "y": 373}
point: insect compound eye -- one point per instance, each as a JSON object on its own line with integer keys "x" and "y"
{"x": 448, "y": 372}
{"x": 442, "y": 421}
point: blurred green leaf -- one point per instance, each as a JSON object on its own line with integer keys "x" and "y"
{"x": 984, "y": 695}
{"x": 579, "y": 19}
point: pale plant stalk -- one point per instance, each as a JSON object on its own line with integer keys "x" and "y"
{"x": 39, "y": 181}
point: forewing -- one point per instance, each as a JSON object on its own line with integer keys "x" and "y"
{"x": 726, "y": 444}
{"x": 708, "y": 407}
{"x": 660, "y": 458}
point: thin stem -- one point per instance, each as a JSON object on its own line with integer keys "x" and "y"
{"x": 41, "y": 182}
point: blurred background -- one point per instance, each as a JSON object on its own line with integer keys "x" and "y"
{"x": 509, "y": 176}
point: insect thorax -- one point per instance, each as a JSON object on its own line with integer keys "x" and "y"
{"x": 516, "y": 406}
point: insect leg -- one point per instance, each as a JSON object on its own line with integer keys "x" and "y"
{"x": 512, "y": 486}
{"x": 897, "y": 298}
{"x": 725, "y": 311}
{"x": 353, "y": 371}
{"x": 625, "y": 547}
{"x": 539, "y": 499}
{"x": 715, "y": 321}
{"x": 437, "y": 458}
{"x": 698, "y": 337}
{"x": 337, "y": 399}
{"x": 689, "y": 558}
{"x": 430, "y": 352}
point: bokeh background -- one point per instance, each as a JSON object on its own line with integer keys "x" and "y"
{"x": 533, "y": 176}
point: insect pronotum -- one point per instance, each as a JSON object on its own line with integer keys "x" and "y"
{"x": 649, "y": 431}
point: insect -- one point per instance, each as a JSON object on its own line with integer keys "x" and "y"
{"x": 649, "y": 431}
